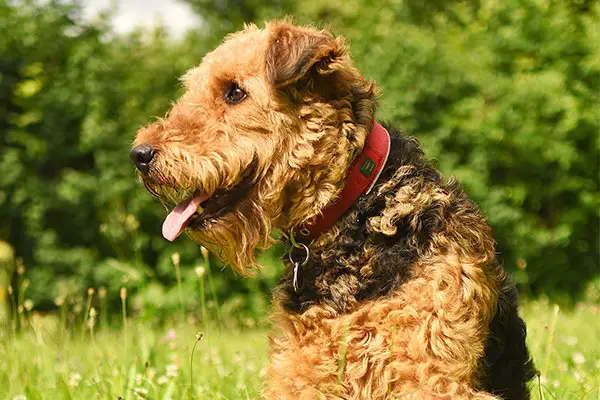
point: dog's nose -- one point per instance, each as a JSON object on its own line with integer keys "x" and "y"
{"x": 142, "y": 155}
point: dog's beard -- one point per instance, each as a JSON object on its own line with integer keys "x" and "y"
{"x": 235, "y": 236}
{"x": 231, "y": 227}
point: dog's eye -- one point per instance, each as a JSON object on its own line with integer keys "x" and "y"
{"x": 233, "y": 93}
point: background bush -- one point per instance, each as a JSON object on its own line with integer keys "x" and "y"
{"x": 503, "y": 95}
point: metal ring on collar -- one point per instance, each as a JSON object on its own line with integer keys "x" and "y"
{"x": 300, "y": 246}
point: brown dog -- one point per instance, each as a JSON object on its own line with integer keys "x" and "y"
{"x": 392, "y": 288}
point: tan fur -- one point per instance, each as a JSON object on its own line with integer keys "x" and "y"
{"x": 423, "y": 342}
{"x": 204, "y": 144}
{"x": 303, "y": 127}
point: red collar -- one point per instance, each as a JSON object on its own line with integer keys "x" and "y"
{"x": 361, "y": 178}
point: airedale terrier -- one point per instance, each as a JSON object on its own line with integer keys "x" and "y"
{"x": 392, "y": 289}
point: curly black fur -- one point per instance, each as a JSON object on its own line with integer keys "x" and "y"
{"x": 324, "y": 279}
{"x": 319, "y": 281}
{"x": 507, "y": 364}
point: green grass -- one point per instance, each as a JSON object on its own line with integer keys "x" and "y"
{"x": 566, "y": 349}
{"x": 47, "y": 361}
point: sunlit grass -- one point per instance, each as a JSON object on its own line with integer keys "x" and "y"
{"x": 45, "y": 362}
{"x": 48, "y": 361}
{"x": 566, "y": 348}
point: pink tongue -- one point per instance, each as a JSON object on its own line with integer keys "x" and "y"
{"x": 175, "y": 222}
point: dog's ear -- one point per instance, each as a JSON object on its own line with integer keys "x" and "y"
{"x": 294, "y": 51}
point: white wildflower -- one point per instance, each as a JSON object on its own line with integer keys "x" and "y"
{"x": 578, "y": 358}
{"x": 563, "y": 366}
{"x": 74, "y": 379}
{"x": 172, "y": 370}
{"x": 28, "y": 304}
{"x": 570, "y": 340}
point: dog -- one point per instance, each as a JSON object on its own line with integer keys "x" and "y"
{"x": 392, "y": 289}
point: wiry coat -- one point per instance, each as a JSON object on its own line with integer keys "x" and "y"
{"x": 402, "y": 297}
{"x": 396, "y": 301}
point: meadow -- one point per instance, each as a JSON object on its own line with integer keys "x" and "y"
{"x": 190, "y": 359}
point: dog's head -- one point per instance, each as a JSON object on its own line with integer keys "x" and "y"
{"x": 262, "y": 137}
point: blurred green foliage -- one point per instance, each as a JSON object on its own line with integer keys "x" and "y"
{"x": 503, "y": 95}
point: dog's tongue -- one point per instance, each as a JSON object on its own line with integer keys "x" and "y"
{"x": 175, "y": 222}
